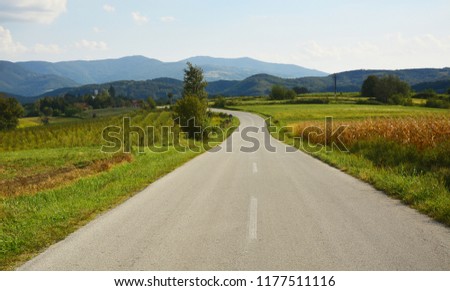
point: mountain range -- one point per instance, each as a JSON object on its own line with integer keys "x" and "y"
{"x": 37, "y": 77}
{"x": 139, "y": 77}
{"x": 260, "y": 84}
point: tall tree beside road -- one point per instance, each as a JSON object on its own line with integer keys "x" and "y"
{"x": 191, "y": 109}
{"x": 194, "y": 84}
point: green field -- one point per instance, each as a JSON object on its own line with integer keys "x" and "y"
{"x": 288, "y": 114}
{"x": 404, "y": 151}
{"x": 55, "y": 178}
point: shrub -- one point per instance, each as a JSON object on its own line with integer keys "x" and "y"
{"x": 279, "y": 92}
{"x": 300, "y": 90}
{"x": 10, "y": 111}
{"x": 220, "y": 103}
{"x": 427, "y": 94}
{"x": 151, "y": 103}
{"x": 437, "y": 102}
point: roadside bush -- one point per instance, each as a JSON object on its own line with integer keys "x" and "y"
{"x": 220, "y": 103}
{"x": 438, "y": 102}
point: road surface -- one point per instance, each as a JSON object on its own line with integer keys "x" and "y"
{"x": 259, "y": 210}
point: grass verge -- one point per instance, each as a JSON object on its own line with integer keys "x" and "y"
{"x": 419, "y": 177}
{"x": 31, "y": 223}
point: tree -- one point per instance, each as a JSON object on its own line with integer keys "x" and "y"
{"x": 47, "y": 111}
{"x": 220, "y": 102}
{"x": 151, "y": 103}
{"x": 300, "y": 90}
{"x": 279, "y": 92}
{"x": 448, "y": 91}
{"x": 191, "y": 109}
{"x": 112, "y": 92}
{"x": 193, "y": 82}
{"x": 368, "y": 87}
{"x": 191, "y": 112}
{"x": 289, "y": 94}
{"x": 71, "y": 111}
{"x": 390, "y": 89}
{"x": 170, "y": 97}
{"x": 387, "y": 89}
{"x": 10, "y": 111}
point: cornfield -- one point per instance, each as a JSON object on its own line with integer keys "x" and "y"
{"x": 421, "y": 132}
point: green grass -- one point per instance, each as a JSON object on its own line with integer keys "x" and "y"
{"x": 27, "y": 162}
{"x": 88, "y": 114}
{"x": 29, "y": 122}
{"x": 30, "y": 222}
{"x": 287, "y": 114}
{"x": 36, "y": 121}
{"x": 418, "y": 177}
{"x": 107, "y": 112}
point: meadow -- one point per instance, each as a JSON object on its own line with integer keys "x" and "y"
{"x": 55, "y": 178}
{"x": 403, "y": 151}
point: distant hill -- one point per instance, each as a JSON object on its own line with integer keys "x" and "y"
{"x": 420, "y": 79}
{"x": 140, "y": 68}
{"x": 241, "y": 68}
{"x": 352, "y": 80}
{"x": 156, "y": 88}
{"x": 255, "y": 85}
{"x": 101, "y": 71}
{"x": 441, "y": 86}
{"x": 36, "y": 77}
{"x": 17, "y": 80}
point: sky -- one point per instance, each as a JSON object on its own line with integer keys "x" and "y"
{"x": 327, "y": 35}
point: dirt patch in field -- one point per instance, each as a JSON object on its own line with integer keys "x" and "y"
{"x": 29, "y": 185}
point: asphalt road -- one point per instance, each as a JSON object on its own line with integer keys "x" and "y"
{"x": 259, "y": 210}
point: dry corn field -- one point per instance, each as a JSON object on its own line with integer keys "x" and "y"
{"x": 421, "y": 132}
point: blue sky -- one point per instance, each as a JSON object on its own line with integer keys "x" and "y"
{"x": 322, "y": 34}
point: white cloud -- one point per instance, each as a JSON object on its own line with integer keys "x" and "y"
{"x": 167, "y": 19}
{"x": 47, "y": 49}
{"x": 96, "y": 29}
{"x": 8, "y": 45}
{"x": 42, "y": 11}
{"x": 139, "y": 18}
{"x": 91, "y": 45}
{"x": 109, "y": 8}
{"x": 392, "y": 51}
